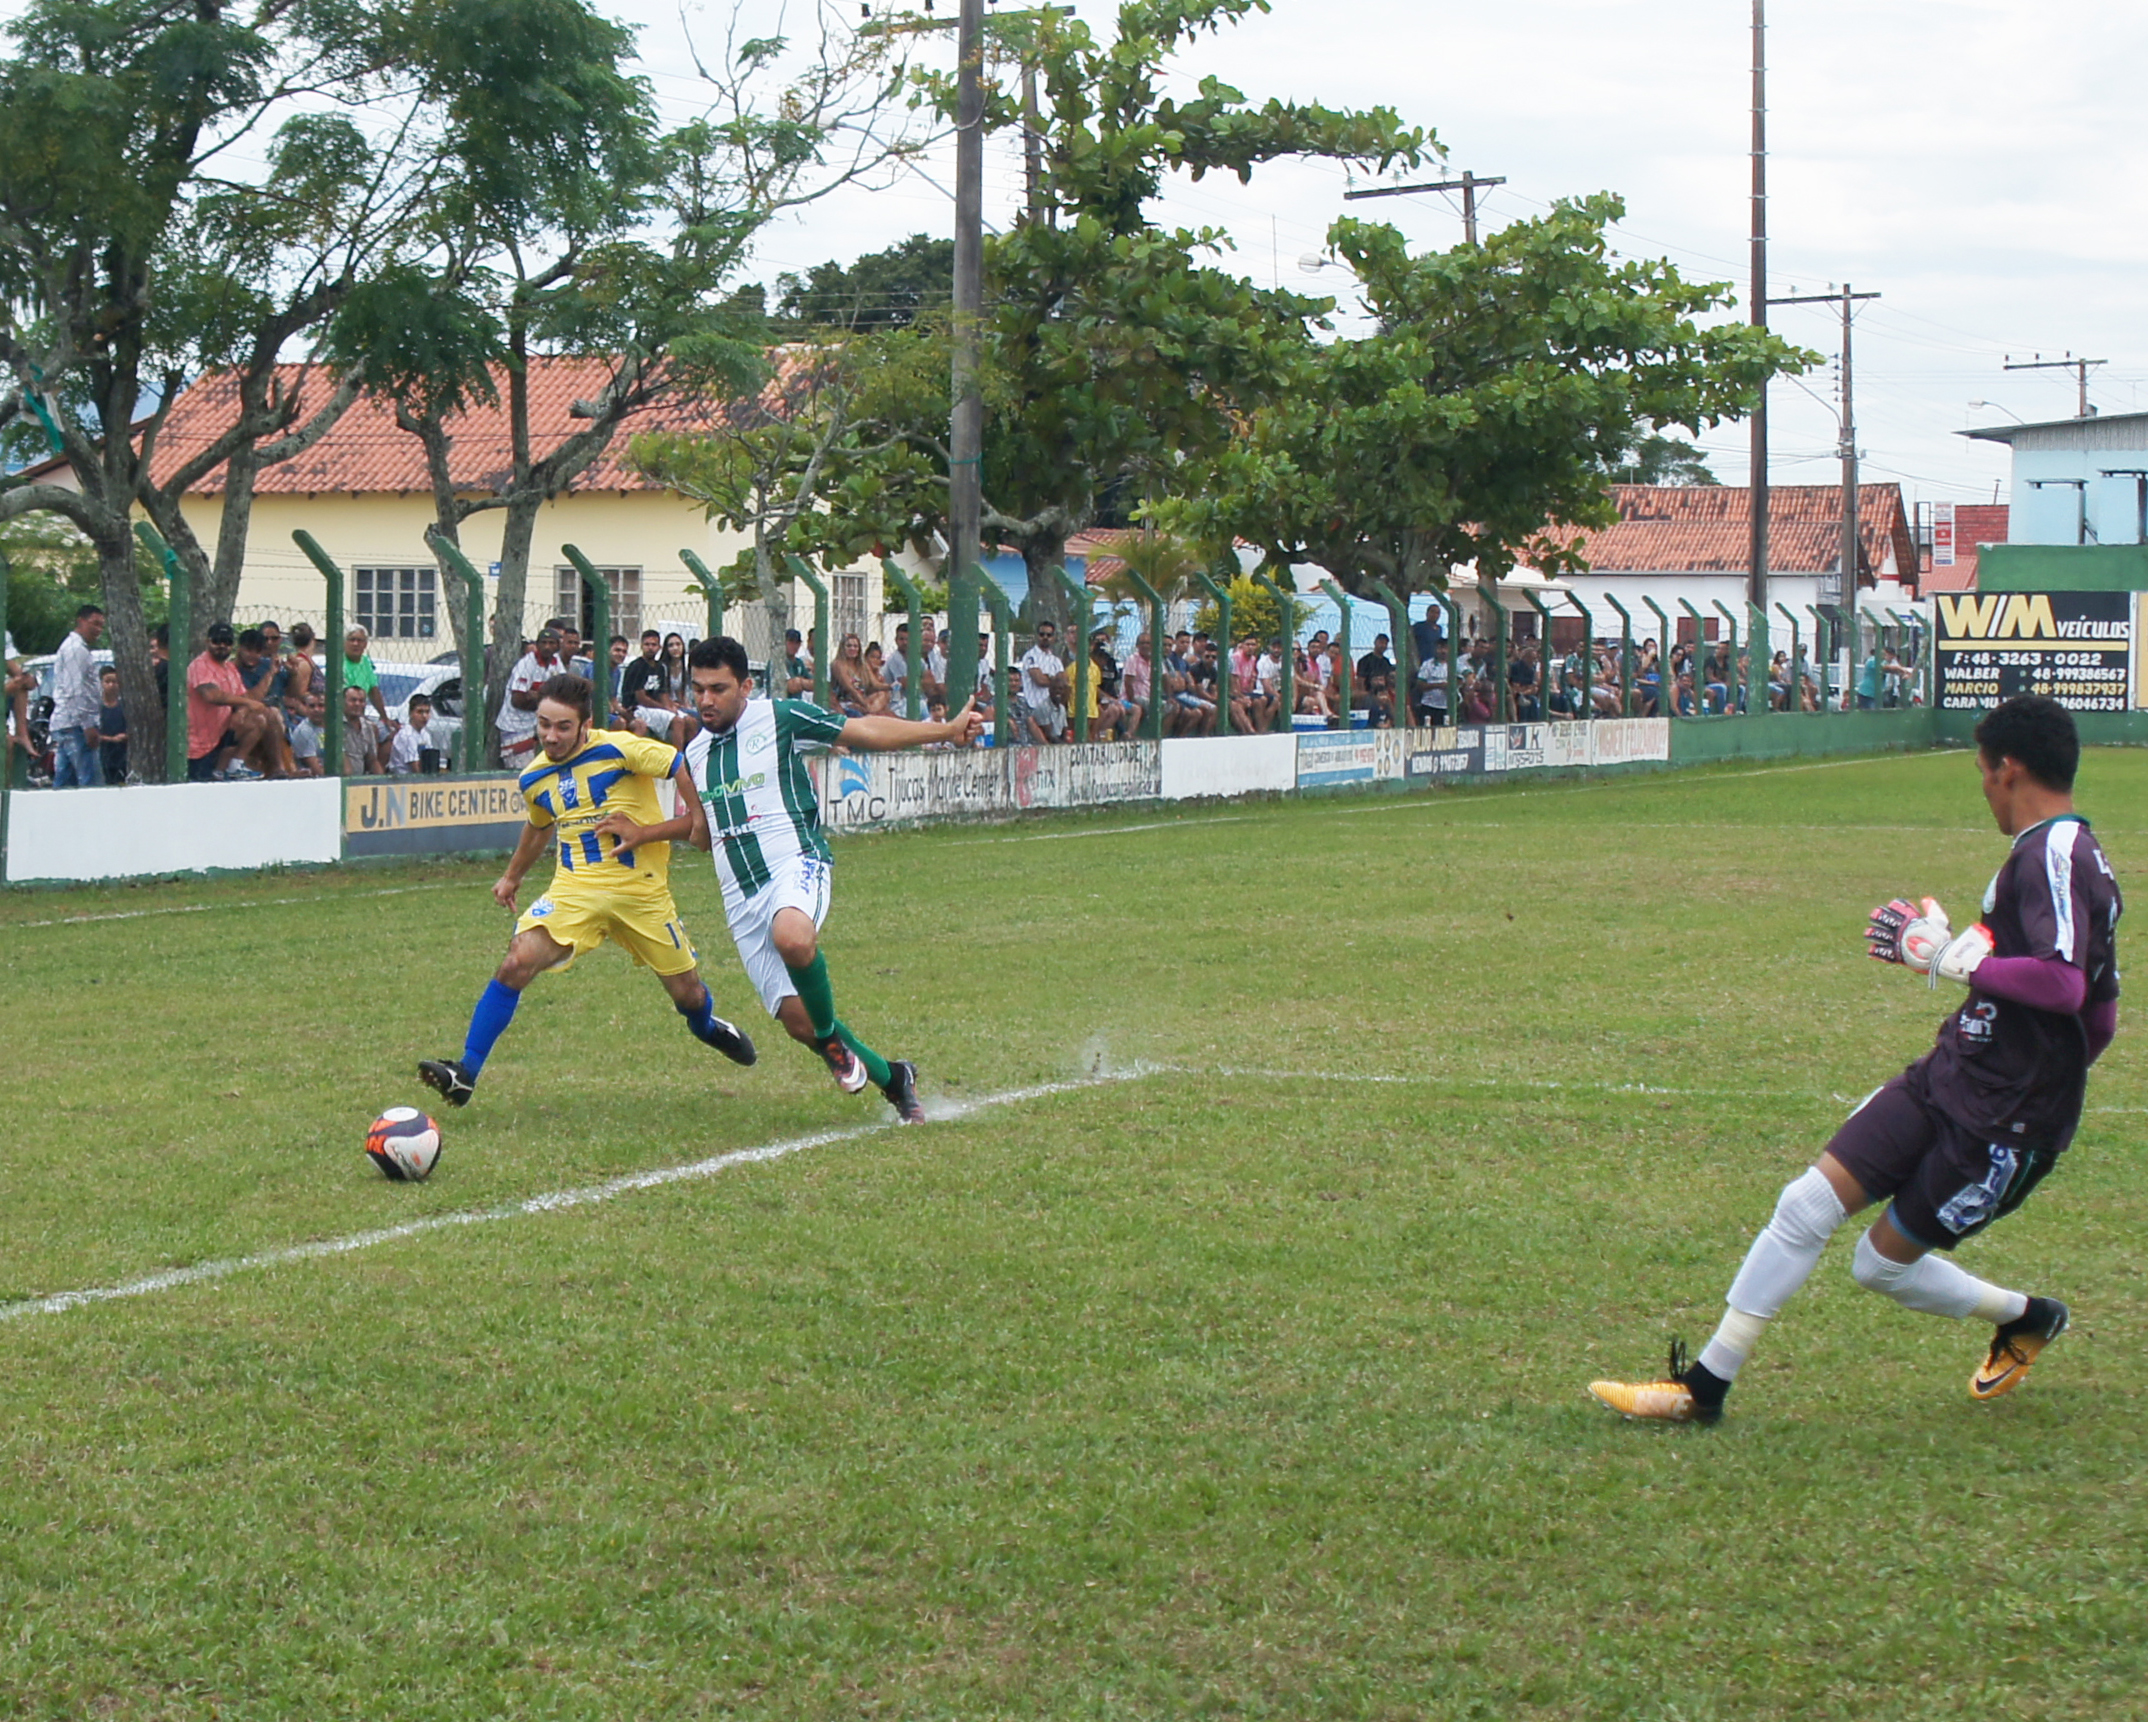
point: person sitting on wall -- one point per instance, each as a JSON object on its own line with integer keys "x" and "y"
{"x": 226, "y": 727}
{"x": 307, "y": 712}
{"x": 415, "y": 747}
{"x": 364, "y": 737}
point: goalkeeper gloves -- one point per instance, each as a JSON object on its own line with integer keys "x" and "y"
{"x": 1960, "y": 957}
{"x": 1908, "y": 933}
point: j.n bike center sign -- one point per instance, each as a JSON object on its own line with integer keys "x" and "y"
{"x": 2077, "y": 647}
{"x": 431, "y": 815}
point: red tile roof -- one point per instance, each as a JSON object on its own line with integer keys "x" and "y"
{"x": 367, "y": 453}
{"x": 1975, "y": 523}
{"x": 1704, "y": 528}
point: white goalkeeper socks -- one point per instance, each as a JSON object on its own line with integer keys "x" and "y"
{"x": 1932, "y": 1285}
{"x": 1781, "y": 1259}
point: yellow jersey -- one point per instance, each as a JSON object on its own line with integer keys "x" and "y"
{"x": 615, "y": 772}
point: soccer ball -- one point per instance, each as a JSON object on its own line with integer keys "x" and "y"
{"x": 405, "y": 1144}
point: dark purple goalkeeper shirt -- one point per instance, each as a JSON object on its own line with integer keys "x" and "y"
{"x": 2009, "y": 1071}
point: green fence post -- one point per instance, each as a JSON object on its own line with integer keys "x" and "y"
{"x": 1543, "y": 652}
{"x": 1002, "y": 608}
{"x": 1502, "y": 704}
{"x": 332, "y": 736}
{"x": 964, "y": 596}
{"x": 1700, "y": 659}
{"x": 1349, "y": 663}
{"x": 712, "y": 591}
{"x": 913, "y": 688}
{"x": 1823, "y": 660}
{"x": 1451, "y": 608}
{"x": 1797, "y": 641}
{"x": 1908, "y": 631}
{"x": 1735, "y": 688}
{"x": 1664, "y": 642}
{"x": 600, "y": 622}
{"x": 1287, "y": 621}
{"x": 1079, "y": 612}
{"x": 1152, "y": 719}
{"x": 1398, "y": 618}
{"x": 1222, "y": 599}
{"x": 473, "y": 652}
{"x": 1757, "y": 638}
{"x": 1625, "y": 656}
{"x": 815, "y": 585}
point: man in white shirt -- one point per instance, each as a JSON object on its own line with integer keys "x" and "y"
{"x": 409, "y": 744}
{"x": 1043, "y": 708}
{"x": 76, "y": 701}
{"x": 518, "y": 707}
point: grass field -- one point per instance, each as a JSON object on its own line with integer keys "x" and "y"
{"x": 1219, "y": 1351}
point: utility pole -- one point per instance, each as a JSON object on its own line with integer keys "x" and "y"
{"x": 2068, "y": 363}
{"x": 1466, "y": 185}
{"x": 1851, "y": 547}
{"x": 1756, "y": 555}
{"x": 965, "y": 442}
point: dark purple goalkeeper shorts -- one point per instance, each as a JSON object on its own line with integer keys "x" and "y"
{"x": 1946, "y": 1183}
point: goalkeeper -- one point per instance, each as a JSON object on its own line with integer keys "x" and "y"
{"x": 1962, "y": 1136}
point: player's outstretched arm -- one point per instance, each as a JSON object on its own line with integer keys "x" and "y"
{"x": 527, "y": 848}
{"x": 886, "y": 734}
{"x": 679, "y": 828}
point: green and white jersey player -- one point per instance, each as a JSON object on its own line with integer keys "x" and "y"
{"x": 772, "y": 859}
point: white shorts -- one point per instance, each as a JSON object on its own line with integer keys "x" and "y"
{"x": 801, "y": 883}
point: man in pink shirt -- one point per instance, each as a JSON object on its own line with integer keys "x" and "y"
{"x": 223, "y": 721}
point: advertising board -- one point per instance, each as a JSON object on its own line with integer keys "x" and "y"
{"x": 430, "y": 815}
{"x": 2076, "y": 647}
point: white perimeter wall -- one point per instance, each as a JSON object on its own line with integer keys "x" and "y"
{"x": 77, "y": 834}
{"x": 1223, "y": 765}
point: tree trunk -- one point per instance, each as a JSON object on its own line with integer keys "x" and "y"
{"x": 505, "y": 647}
{"x": 1042, "y": 553}
{"x": 128, "y": 632}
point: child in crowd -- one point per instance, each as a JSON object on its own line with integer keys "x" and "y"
{"x": 409, "y": 745}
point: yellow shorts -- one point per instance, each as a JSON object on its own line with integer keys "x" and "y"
{"x": 645, "y": 923}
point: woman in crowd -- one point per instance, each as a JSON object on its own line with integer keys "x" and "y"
{"x": 879, "y": 691}
{"x": 846, "y": 678}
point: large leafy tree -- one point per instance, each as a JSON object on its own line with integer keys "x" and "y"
{"x": 1117, "y": 349}
{"x": 133, "y": 258}
{"x": 1481, "y": 419}
{"x": 614, "y": 243}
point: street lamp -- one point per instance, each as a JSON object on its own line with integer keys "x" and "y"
{"x": 1997, "y": 408}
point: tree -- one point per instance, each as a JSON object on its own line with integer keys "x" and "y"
{"x": 1478, "y": 421}
{"x": 612, "y": 242}
{"x": 51, "y": 573}
{"x": 129, "y": 263}
{"x": 1663, "y": 460}
{"x": 888, "y": 289}
{"x": 1116, "y": 350}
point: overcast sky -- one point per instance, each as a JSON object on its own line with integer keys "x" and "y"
{"x": 1980, "y": 163}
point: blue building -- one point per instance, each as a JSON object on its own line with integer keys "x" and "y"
{"x": 2077, "y": 481}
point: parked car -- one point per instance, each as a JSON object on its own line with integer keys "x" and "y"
{"x": 440, "y": 681}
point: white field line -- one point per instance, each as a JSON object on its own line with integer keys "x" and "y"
{"x": 1538, "y": 1085}
{"x": 1106, "y": 831}
{"x": 1654, "y": 780}
{"x": 315, "y": 901}
{"x": 174, "y": 1279}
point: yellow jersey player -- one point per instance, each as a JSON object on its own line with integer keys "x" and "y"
{"x": 593, "y": 791}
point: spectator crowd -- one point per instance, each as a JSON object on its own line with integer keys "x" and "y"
{"x": 256, "y": 707}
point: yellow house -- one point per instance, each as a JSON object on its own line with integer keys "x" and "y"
{"x": 364, "y": 494}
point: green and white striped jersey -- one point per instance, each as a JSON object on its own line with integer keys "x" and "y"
{"x": 752, "y": 779}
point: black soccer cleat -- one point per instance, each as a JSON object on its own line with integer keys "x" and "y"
{"x": 447, "y": 1077}
{"x": 845, "y": 1066}
{"x": 730, "y": 1040}
{"x": 901, "y": 1090}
